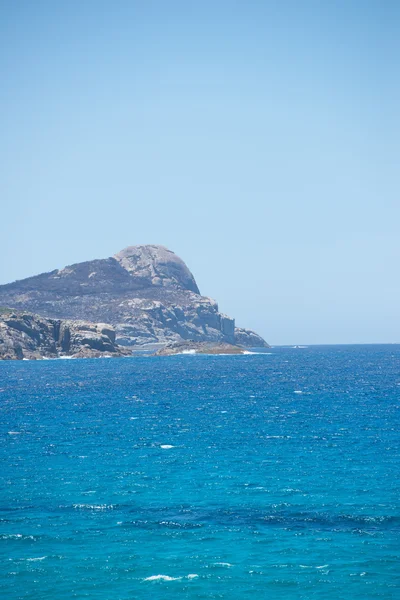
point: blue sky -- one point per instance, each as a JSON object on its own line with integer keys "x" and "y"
{"x": 258, "y": 140}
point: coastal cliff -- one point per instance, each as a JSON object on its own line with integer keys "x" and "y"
{"x": 27, "y": 336}
{"x": 146, "y": 293}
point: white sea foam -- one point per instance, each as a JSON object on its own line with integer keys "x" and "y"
{"x": 298, "y": 392}
{"x": 35, "y": 559}
{"x": 14, "y": 432}
{"x": 166, "y": 446}
{"x": 250, "y": 352}
{"x": 223, "y": 564}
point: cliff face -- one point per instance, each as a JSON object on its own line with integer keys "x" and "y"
{"x": 146, "y": 292}
{"x": 24, "y": 335}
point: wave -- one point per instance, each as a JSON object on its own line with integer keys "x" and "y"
{"x": 168, "y": 578}
{"x": 16, "y": 536}
{"x": 282, "y": 516}
{"x": 312, "y": 567}
{"x": 94, "y": 506}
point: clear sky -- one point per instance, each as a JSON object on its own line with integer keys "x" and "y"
{"x": 259, "y": 140}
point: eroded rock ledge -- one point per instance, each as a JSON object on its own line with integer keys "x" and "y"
{"x": 25, "y": 335}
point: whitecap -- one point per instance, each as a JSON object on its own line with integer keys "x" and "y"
{"x": 35, "y": 559}
{"x": 93, "y": 506}
{"x": 14, "y": 432}
{"x": 192, "y": 576}
{"x": 223, "y": 564}
{"x": 298, "y": 392}
{"x": 161, "y": 578}
{"x": 166, "y": 446}
{"x": 15, "y": 536}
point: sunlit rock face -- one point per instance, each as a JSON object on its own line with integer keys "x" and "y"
{"x": 147, "y": 293}
{"x": 24, "y": 335}
{"x": 158, "y": 266}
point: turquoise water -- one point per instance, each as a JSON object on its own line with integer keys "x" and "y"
{"x": 258, "y": 476}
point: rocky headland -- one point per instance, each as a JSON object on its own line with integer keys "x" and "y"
{"x": 146, "y": 293}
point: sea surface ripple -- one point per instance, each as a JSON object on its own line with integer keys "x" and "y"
{"x": 271, "y": 475}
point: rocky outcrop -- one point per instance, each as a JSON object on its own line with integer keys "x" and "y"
{"x": 29, "y": 336}
{"x": 249, "y": 339}
{"x": 198, "y": 348}
{"x": 146, "y": 293}
{"x": 156, "y": 266}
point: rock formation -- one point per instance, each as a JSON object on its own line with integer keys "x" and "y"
{"x": 146, "y": 292}
{"x": 199, "y": 348}
{"x": 24, "y": 335}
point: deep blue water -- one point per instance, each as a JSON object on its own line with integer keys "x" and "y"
{"x": 282, "y": 481}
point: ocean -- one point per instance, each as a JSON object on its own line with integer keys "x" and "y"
{"x": 272, "y": 475}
